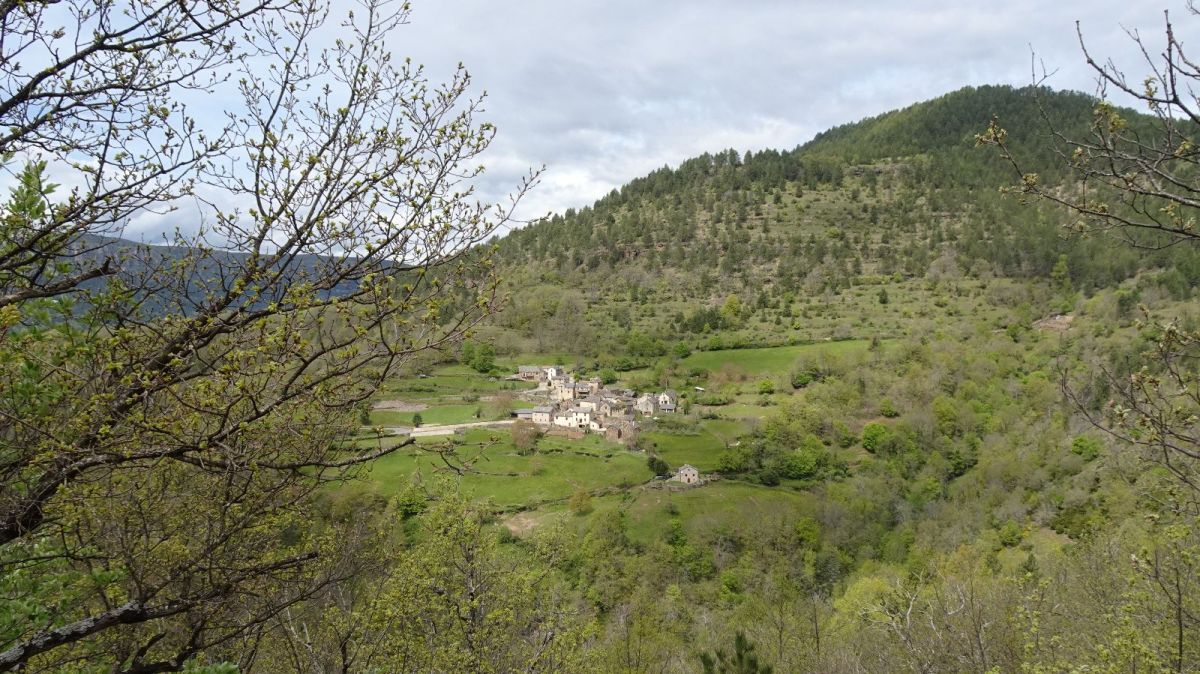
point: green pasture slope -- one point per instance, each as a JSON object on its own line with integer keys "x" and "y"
{"x": 769, "y": 360}
{"x": 449, "y": 380}
{"x": 451, "y": 413}
{"x": 721, "y": 505}
{"x": 452, "y": 394}
{"x": 701, "y": 448}
{"x": 508, "y": 479}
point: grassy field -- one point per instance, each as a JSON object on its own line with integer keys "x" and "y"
{"x": 500, "y": 474}
{"x": 448, "y": 381}
{"x": 700, "y": 449}
{"x": 715, "y": 506}
{"x": 649, "y": 511}
{"x": 451, "y": 413}
{"x": 768, "y": 361}
{"x": 449, "y": 394}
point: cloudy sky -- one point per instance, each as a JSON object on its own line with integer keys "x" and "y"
{"x": 602, "y": 92}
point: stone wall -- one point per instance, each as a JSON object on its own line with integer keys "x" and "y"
{"x": 565, "y": 432}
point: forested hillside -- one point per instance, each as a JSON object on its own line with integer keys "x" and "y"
{"x": 991, "y": 466}
{"x": 782, "y": 236}
{"x": 917, "y": 396}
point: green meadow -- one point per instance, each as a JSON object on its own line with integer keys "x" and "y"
{"x": 699, "y": 448}
{"x": 496, "y": 471}
{"x": 771, "y": 360}
{"x": 447, "y": 413}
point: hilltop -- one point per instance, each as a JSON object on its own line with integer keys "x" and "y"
{"x": 751, "y": 245}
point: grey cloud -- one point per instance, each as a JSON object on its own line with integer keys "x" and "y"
{"x": 602, "y": 92}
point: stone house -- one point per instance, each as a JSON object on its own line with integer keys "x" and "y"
{"x": 564, "y": 393}
{"x": 529, "y": 372}
{"x": 621, "y": 429}
{"x": 647, "y": 404}
{"x": 611, "y": 406}
{"x": 580, "y": 418}
{"x": 587, "y": 387}
{"x": 542, "y": 415}
{"x": 668, "y": 400}
{"x": 592, "y": 403}
{"x": 687, "y": 474}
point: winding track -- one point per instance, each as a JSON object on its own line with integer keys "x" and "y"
{"x": 434, "y": 430}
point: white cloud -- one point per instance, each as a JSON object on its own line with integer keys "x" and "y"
{"x": 603, "y": 92}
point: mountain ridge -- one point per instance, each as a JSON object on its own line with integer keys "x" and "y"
{"x": 889, "y": 198}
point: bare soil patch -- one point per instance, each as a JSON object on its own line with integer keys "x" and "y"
{"x": 522, "y": 523}
{"x": 1059, "y": 323}
{"x": 399, "y": 406}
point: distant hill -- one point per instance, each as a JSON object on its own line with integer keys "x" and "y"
{"x": 947, "y": 125}
{"x": 180, "y": 278}
{"x": 890, "y": 198}
{"x": 750, "y": 245}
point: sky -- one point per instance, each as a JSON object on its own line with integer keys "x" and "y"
{"x": 603, "y": 92}
{"x": 600, "y": 93}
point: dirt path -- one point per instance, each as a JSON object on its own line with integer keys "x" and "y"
{"x": 522, "y": 523}
{"x": 1058, "y": 323}
{"x": 448, "y": 429}
{"x": 399, "y": 406}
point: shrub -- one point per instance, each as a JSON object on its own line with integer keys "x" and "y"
{"x": 842, "y": 435}
{"x": 1086, "y": 447}
{"x": 733, "y": 460}
{"x": 1010, "y": 534}
{"x": 873, "y": 436}
{"x": 768, "y": 476}
{"x": 411, "y": 502}
{"x": 801, "y": 378}
{"x": 657, "y": 465}
{"x": 481, "y": 358}
{"x": 525, "y": 436}
{"x": 800, "y": 464}
{"x": 581, "y": 502}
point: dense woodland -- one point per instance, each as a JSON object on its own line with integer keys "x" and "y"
{"x": 993, "y": 467}
{"x": 903, "y": 196}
